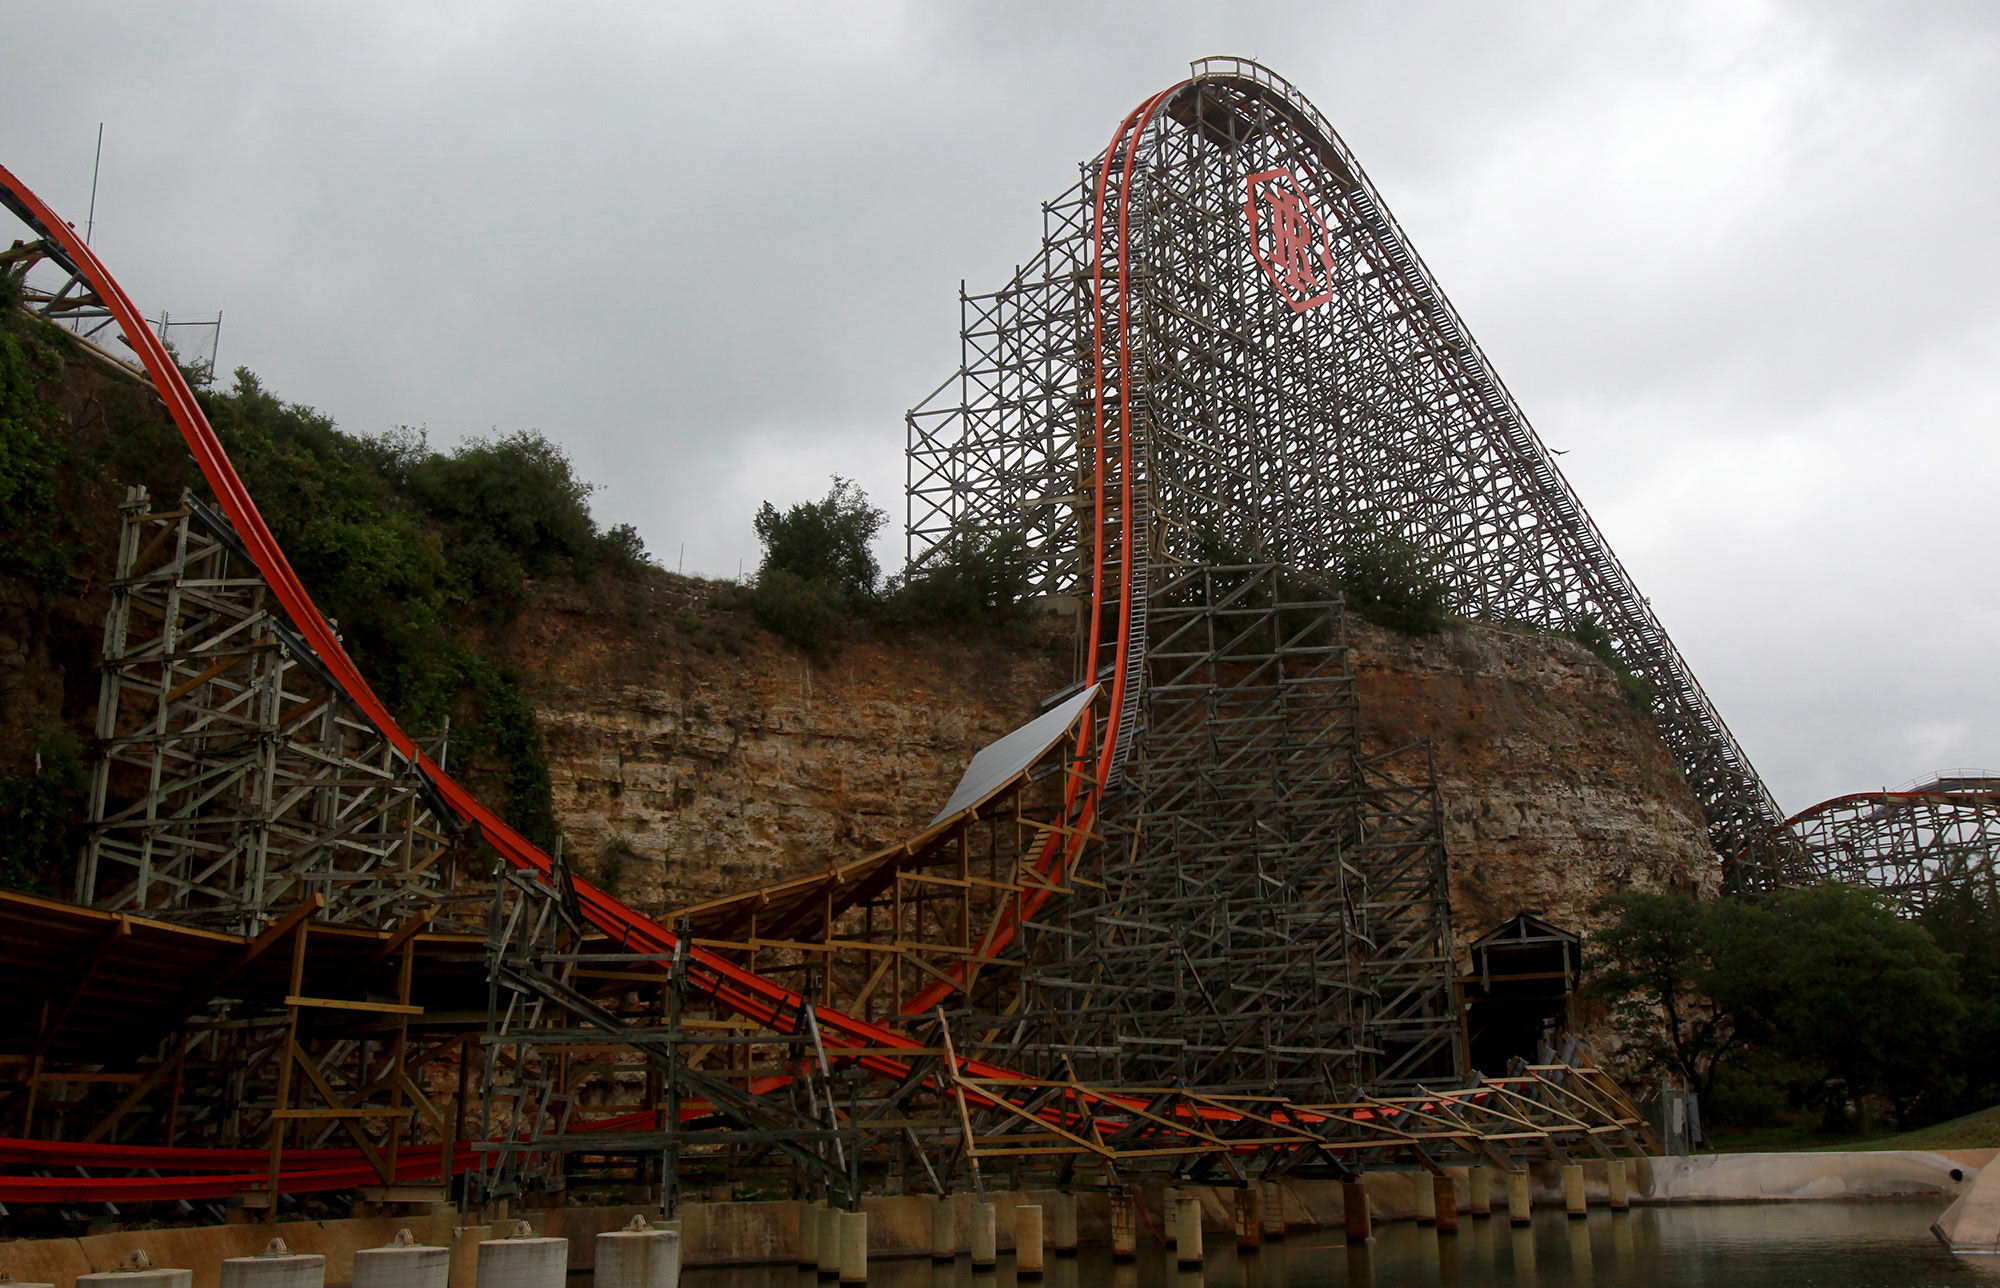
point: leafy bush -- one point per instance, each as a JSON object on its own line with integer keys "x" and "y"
{"x": 974, "y": 581}
{"x": 810, "y": 615}
{"x": 35, "y": 808}
{"x": 824, "y": 542}
{"x": 1386, "y": 580}
{"x": 40, "y": 550}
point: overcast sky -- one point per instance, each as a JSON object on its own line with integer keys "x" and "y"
{"x": 1735, "y": 259}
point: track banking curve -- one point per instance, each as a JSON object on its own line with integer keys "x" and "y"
{"x": 743, "y": 992}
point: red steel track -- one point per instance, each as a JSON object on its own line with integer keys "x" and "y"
{"x": 742, "y": 992}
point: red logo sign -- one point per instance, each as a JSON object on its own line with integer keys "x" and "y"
{"x": 1290, "y": 239}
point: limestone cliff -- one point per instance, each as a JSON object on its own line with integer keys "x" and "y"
{"x": 1555, "y": 792}
{"x": 694, "y": 754}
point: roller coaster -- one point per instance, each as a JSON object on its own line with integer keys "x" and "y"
{"x": 1178, "y": 921}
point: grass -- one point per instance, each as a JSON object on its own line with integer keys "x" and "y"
{"x": 1979, "y": 1130}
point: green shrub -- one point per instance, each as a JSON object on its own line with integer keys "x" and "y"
{"x": 1639, "y": 691}
{"x": 1386, "y": 580}
{"x": 36, "y": 806}
{"x": 972, "y": 582}
{"x": 812, "y": 616}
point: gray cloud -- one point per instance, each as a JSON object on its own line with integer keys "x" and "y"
{"x": 1733, "y": 257}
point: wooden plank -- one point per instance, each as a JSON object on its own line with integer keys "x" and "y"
{"x": 337, "y": 1004}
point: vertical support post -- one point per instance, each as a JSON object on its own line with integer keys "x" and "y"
{"x": 1518, "y": 1210}
{"x": 1479, "y": 1192}
{"x": 1572, "y": 1181}
{"x": 1249, "y": 1218}
{"x": 1062, "y": 1225}
{"x": 1124, "y": 1227}
{"x": 1187, "y": 1231}
{"x": 1356, "y": 1218}
{"x": 853, "y": 1247}
{"x": 985, "y": 1237}
{"x": 1446, "y": 1202}
{"x": 1619, "y": 1180}
{"x": 944, "y": 1231}
{"x": 1273, "y": 1211}
{"x": 1028, "y": 1259}
{"x": 1426, "y": 1199}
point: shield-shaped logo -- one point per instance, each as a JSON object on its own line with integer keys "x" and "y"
{"x": 1289, "y": 239}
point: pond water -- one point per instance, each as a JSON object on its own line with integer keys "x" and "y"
{"x": 1791, "y": 1245}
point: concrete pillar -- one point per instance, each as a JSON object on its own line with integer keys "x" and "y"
{"x": 1426, "y": 1196}
{"x": 638, "y": 1257}
{"x": 1249, "y": 1218}
{"x": 150, "y": 1277}
{"x": 1619, "y": 1180}
{"x": 1187, "y": 1232}
{"x": 276, "y": 1267}
{"x": 403, "y": 1263}
{"x": 1124, "y": 1227}
{"x": 1272, "y": 1211}
{"x": 1062, "y": 1225}
{"x": 1028, "y": 1259}
{"x": 1518, "y": 1210}
{"x": 854, "y": 1247}
{"x": 1573, "y": 1191}
{"x": 1356, "y": 1219}
{"x": 828, "y": 1243}
{"x": 985, "y": 1237}
{"x": 806, "y": 1255}
{"x": 1479, "y": 1192}
{"x": 465, "y": 1241}
{"x": 944, "y": 1232}
{"x": 1445, "y": 1199}
{"x": 524, "y": 1261}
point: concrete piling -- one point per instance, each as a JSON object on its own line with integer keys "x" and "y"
{"x": 1029, "y": 1261}
{"x": 807, "y": 1257}
{"x": 1249, "y": 1219}
{"x": 403, "y": 1263}
{"x": 1273, "y": 1212}
{"x": 854, "y": 1247}
{"x": 638, "y": 1257}
{"x": 1619, "y": 1181}
{"x": 1426, "y": 1199}
{"x": 985, "y": 1237}
{"x": 1062, "y": 1225}
{"x": 1445, "y": 1199}
{"x": 1124, "y": 1228}
{"x": 944, "y": 1232}
{"x": 828, "y": 1242}
{"x": 1187, "y": 1232}
{"x": 1356, "y": 1218}
{"x": 277, "y": 1266}
{"x": 1479, "y": 1192}
{"x": 1572, "y": 1180}
{"x": 138, "y": 1271}
{"x": 1518, "y": 1210}
{"x": 524, "y": 1261}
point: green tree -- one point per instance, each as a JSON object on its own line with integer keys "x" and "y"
{"x": 825, "y": 542}
{"x": 973, "y": 580}
{"x": 1661, "y": 976}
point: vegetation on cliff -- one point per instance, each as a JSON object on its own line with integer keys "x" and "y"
{"x": 408, "y": 549}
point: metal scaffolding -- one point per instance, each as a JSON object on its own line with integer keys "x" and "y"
{"x": 1298, "y": 384}
{"x": 233, "y": 778}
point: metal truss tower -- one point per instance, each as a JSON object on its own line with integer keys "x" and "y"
{"x": 234, "y": 779}
{"x": 1224, "y": 302}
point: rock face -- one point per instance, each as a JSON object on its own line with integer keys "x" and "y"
{"x": 1555, "y": 793}
{"x": 695, "y": 755}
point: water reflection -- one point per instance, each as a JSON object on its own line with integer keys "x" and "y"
{"x": 1824, "y": 1245}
